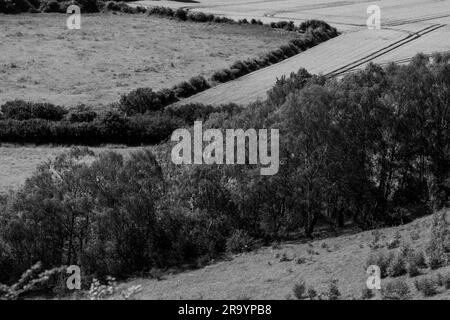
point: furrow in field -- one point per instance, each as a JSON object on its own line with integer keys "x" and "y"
{"x": 384, "y": 50}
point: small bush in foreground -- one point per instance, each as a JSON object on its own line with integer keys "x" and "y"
{"x": 333, "y": 290}
{"x": 312, "y": 293}
{"x": 395, "y": 290}
{"x": 299, "y": 290}
{"x": 427, "y": 286}
{"x": 440, "y": 233}
{"x": 397, "y": 266}
{"x": 239, "y": 242}
{"x": 381, "y": 259}
{"x": 367, "y": 294}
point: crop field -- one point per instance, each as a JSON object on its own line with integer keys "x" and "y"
{"x": 343, "y": 14}
{"x": 41, "y": 60}
{"x": 408, "y": 27}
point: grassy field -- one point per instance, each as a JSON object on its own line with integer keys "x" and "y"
{"x": 41, "y": 60}
{"x": 17, "y": 163}
{"x": 263, "y": 274}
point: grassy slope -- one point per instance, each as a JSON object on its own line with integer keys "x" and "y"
{"x": 261, "y": 275}
{"x": 112, "y": 54}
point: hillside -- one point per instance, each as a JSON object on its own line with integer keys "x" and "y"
{"x": 261, "y": 274}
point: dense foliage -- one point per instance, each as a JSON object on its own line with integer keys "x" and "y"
{"x": 372, "y": 148}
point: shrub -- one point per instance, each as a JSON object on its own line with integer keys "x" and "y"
{"x": 427, "y": 286}
{"x": 437, "y": 253}
{"x": 414, "y": 262}
{"x": 367, "y": 294}
{"x": 82, "y": 113}
{"x": 113, "y": 6}
{"x": 395, "y": 290}
{"x": 239, "y": 242}
{"x": 382, "y": 260}
{"x": 333, "y": 290}
{"x": 299, "y": 290}
{"x": 191, "y": 112}
{"x": 113, "y": 124}
{"x": 395, "y": 242}
{"x": 22, "y": 110}
{"x": 184, "y": 89}
{"x": 140, "y": 101}
{"x": 397, "y": 266}
{"x": 199, "y": 16}
{"x": 199, "y": 83}
{"x": 312, "y": 293}
{"x": 446, "y": 281}
{"x": 223, "y": 75}
{"x": 51, "y": 6}
{"x": 8, "y": 7}
{"x": 180, "y": 14}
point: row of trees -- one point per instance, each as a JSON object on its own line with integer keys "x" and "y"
{"x": 372, "y": 148}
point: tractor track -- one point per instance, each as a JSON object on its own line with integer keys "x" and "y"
{"x": 383, "y": 51}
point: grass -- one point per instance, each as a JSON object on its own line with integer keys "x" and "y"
{"x": 260, "y": 275}
{"x": 41, "y": 60}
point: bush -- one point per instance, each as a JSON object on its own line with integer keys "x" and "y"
{"x": 312, "y": 293}
{"x": 199, "y": 17}
{"x": 239, "y": 242}
{"x": 395, "y": 242}
{"x": 223, "y": 75}
{"x": 446, "y": 281}
{"x": 184, "y": 89}
{"x": 140, "y": 101}
{"x": 299, "y": 290}
{"x": 333, "y": 291}
{"x": 180, "y": 14}
{"x": 397, "y": 266}
{"x": 82, "y": 113}
{"x": 191, "y": 112}
{"x": 427, "y": 286}
{"x": 415, "y": 261}
{"x": 8, "y": 7}
{"x": 382, "y": 260}
{"x": 22, "y": 110}
{"x": 440, "y": 233}
{"x": 367, "y": 294}
{"x": 51, "y": 6}
{"x": 395, "y": 290}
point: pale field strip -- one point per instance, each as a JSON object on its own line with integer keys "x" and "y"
{"x": 321, "y": 59}
{"x": 384, "y": 51}
{"x": 345, "y": 15}
{"x": 427, "y": 45}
